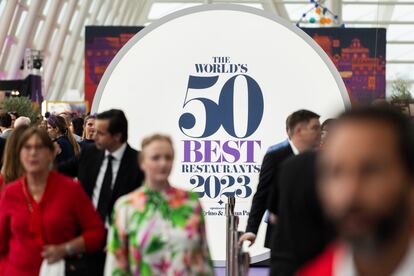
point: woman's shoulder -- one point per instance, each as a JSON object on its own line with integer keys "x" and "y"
{"x": 132, "y": 198}
{"x": 13, "y": 187}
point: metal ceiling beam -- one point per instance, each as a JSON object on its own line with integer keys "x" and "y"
{"x": 58, "y": 88}
{"x": 5, "y": 57}
{"x": 6, "y": 20}
{"x": 281, "y": 9}
{"x": 48, "y": 26}
{"x": 50, "y": 70}
{"x": 18, "y": 54}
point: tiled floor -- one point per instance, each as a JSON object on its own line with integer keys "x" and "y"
{"x": 254, "y": 271}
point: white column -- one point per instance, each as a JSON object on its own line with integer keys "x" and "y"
{"x": 122, "y": 13}
{"x": 6, "y": 20}
{"x": 55, "y": 54}
{"x": 23, "y": 39}
{"x": 143, "y": 16}
{"x": 135, "y": 14}
{"x": 77, "y": 67}
{"x": 336, "y": 8}
{"x": 48, "y": 26}
{"x": 59, "y": 89}
{"x": 5, "y": 57}
{"x": 112, "y": 15}
{"x": 105, "y": 11}
{"x": 94, "y": 14}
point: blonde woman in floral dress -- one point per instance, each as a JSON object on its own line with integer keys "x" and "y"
{"x": 158, "y": 229}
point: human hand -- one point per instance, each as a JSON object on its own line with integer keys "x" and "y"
{"x": 272, "y": 218}
{"x": 249, "y": 236}
{"x": 53, "y": 253}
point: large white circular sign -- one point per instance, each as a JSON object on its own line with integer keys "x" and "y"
{"x": 221, "y": 80}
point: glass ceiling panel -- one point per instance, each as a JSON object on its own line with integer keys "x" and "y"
{"x": 400, "y": 32}
{"x": 159, "y": 10}
{"x": 360, "y": 12}
{"x": 403, "y": 13}
{"x": 403, "y": 71}
{"x": 400, "y": 52}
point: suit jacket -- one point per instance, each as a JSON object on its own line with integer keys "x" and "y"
{"x": 86, "y": 167}
{"x": 269, "y": 171}
{"x": 301, "y": 231}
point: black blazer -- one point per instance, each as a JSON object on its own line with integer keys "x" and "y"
{"x": 269, "y": 171}
{"x": 86, "y": 168}
{"x": 301, "y": 231}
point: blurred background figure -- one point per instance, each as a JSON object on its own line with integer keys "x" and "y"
{"x": 22, "y": 120}
{"x": 65, "y": 143}
{"x": 55, "y": 218}
{"x": 326, "y": 125}
{"x": 88, "y": 135}
{"x": 367, "y": 189}
{"x": 13, "y": 115}
{"x": 5, "y": 125}
{"x": 168, "y": 222}
{"x": 76, "y": 127}
{"x": 304, "y": 133}
{"x": 12, "y": 168}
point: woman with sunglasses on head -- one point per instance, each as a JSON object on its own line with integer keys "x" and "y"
{"x": 44, "y": 215}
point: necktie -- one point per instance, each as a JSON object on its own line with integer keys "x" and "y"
{"x": 106, "y": 190}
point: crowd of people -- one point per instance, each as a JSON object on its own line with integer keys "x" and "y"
{"x": 95, "y": 205}
{"x": 338, "y": 198}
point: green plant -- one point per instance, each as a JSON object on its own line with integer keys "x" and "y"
{"x": 22, "y": 105}
{"x": 401, "y": 91}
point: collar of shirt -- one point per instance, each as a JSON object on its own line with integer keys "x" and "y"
{"x": 294, "y": 149}
{"x": 117, "y": 155}
{"x": 344, "y": 263}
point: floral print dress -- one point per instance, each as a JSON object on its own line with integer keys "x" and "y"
{"x": 158, "y": 233}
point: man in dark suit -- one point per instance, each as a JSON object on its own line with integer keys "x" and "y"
{"x": 304, "y": 133}
{"x": 301, "y": 231}
{"x": 106, "y": 170}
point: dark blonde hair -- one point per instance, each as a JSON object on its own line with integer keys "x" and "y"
{"x": 150, "y": 139}
{"x": 12, "y": 168}
{"x": 90, "y": 117}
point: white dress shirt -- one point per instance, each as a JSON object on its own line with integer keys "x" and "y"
{"x": 294, "y": 148}
{"x": 116, "y": 162}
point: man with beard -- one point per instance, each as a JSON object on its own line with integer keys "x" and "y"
{"x": 366, "y": 187}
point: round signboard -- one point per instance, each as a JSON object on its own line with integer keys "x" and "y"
{"x": 220, "y": 80}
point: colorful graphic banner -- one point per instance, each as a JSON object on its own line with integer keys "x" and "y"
{"x": 359, "y": 55}
{"x": 102, "y": 43}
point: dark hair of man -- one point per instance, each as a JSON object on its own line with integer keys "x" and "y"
{"x": 117, "y": 122}
{"x": 77, "y": 126}
{"x": 403, "y": 128}
{"x": 300, "y": 116}
{"x": 5, "y": 120}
